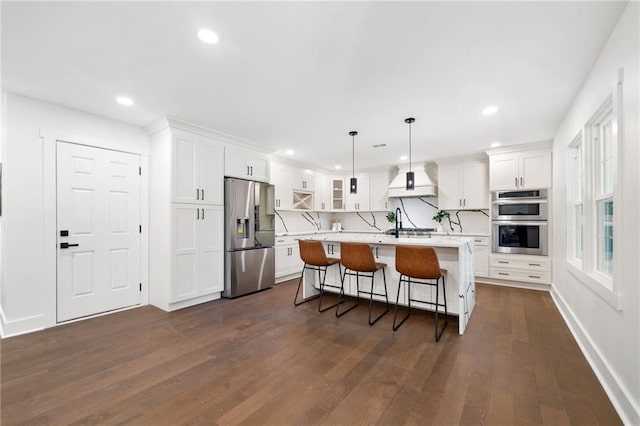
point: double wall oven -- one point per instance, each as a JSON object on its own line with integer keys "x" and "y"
{"x": 520, "y": 222}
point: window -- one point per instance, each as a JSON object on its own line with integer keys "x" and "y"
{"x": 591, "y": 194}
{"x": 576, "y": 208}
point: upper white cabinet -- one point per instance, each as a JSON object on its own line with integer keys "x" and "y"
{"x": 379, "y": 182}
{"x": 337, "y": 193}
{"x": 302, "y": 179}
{"x": 197, "y": 164}
{"x": 322, "y": 198}
{"x": 246, "y": 164}
{"x": 528, "y": 169}
{"x": 359, "y": 201}
{"x": 463, "y": 185}
{"x": 281, "y": 179}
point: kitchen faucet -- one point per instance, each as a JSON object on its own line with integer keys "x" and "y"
{"x": 398, "y": 220}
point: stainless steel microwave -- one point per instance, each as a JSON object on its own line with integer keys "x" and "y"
{"x": 520, "y": 205}
{"x": 521, "y": 237}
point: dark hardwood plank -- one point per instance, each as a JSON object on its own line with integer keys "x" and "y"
{"x": 259, "y": 360}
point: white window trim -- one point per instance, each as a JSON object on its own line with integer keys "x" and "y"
{"x": 571, "y": 203}
{"x": 610, "y": 289}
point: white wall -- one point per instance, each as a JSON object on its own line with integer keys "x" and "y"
{"x": 24, "y": 297}
{"x": 608, "y": 336}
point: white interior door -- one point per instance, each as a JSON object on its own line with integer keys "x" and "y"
{"x": 98, "y": 197}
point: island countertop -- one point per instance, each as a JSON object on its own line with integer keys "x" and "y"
{"x": 455, "y": 254}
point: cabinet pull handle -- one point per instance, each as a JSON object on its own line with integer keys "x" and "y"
{"x": 521, "y": 182}
{"x": 503, "y": 273}
{"x": 197, "y": 213}
{"x": 464, "y": 202}
{"x": 251, "y": 167}
{"x": 534, "y": 276}
{"x": 503, "y": 261}
{"x": 478, "y": 241}
{"x": 202, "y": 193}
{"x": 516, "y": 183}
{"x": 534, "y": 264}
{"x": 197, "y": 194}
{"x": 203, "y": 213}
{"x": 376, "y": 252}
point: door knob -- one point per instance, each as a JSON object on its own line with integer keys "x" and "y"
{"x": 67, "y": 245}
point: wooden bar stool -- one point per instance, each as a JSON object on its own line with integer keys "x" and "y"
{"x": 313, "y": 255}
{"x": 417, "y": 264}
{"x": 358, "y": 258}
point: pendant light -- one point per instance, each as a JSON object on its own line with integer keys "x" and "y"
{"x": 353, "y": 183}
{"x": 411, "y": 183}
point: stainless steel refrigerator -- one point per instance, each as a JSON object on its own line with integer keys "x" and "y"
{"x": 249, "y": 237}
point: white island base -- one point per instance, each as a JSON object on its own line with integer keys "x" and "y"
{"x": 454, "y": 253}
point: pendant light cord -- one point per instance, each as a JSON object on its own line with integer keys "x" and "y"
{"x": 353, "y": 156}
{"x": 409, "y": 146}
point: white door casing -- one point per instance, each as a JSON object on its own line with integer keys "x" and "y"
{"x": 98, "y": 203}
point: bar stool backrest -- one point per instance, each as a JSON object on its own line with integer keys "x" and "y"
{"x": 312, "y": 253}
{"x": 357, "y": 257}
{"x": 418, "y": 262}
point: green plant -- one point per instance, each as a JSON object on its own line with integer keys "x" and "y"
{"x": 391, "y": 217}
{"x": 440, "y": 215}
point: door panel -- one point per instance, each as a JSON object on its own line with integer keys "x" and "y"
{"x": 185, "y": 247}
{"x": 211, "y": 178}
{"x": 211, "y": 253}
{"x": 184, "y": 171}
{"x": 98, "y": 203}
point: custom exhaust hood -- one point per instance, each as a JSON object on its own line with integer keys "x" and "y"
{"x": 425, "y": 185}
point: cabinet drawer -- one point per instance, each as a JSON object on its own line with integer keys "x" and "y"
{"x": 533, "y": 265}
{"x": 481, "y": 241}
{"x": 542, "y": 277}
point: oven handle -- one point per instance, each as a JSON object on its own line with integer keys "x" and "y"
{"x": 520, "y": 222}
{"x": 521, "y": 201}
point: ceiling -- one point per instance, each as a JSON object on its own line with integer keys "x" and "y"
{"x": 301, "y": 75}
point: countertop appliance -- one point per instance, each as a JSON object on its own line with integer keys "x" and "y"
{"x": 249, "y": 237}
{"x": 519, "y": 222}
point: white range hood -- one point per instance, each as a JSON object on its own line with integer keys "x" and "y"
{"x": 425, "y": 186}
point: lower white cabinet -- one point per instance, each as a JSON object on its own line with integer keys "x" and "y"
{"x": 197, "y": 251}
{"x": 519, "y": 267}
{"x": 288, "y": 260}
{"x": 481, "y": 256}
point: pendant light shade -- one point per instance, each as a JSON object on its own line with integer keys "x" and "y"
{"x": 411, "y": 182}
{"x": 353, "y": 182}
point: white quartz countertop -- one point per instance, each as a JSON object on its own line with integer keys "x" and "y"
{"x": 438, "y": 241}
{"x": 461, "y": 234}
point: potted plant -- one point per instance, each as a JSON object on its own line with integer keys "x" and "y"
{"x": 438, "y": 218}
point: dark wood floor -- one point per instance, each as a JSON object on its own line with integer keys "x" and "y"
{"x": 259, "y": 360}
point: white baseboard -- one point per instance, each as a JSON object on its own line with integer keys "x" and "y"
{"x": 19, "y": 326}
{"x": 516, "y": 284}
{"x": 627, "y": 409}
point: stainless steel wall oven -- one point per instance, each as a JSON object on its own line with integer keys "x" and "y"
{"x": 520, "y": 222}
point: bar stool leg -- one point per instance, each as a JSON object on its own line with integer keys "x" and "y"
{"x": 438, "y": 335}
{"x": 341, "y": 298}
{"x": 397, "y": 326}
{"x": 308, "y": 299}
{"x": 324, "y": 277}
{"x": 373, "y": 274}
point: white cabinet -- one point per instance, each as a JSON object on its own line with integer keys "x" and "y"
{"x": 379, "y": 190}
{"x": 481, "y": 256}
{"x": 519, "y": 267}
{"x": 530, "y": 169}
{"x": 302, "y": 179}
{"x": 337, "y": 194}
{"x": 359, "y": 201}
{"x": 197, "y": 164}
{"x": 288, "y": 260}
{"x": 281, "y": 179}
{"x": 463, "y": 186}
{"x": 321, "y": 196}
{"x": 246, "y": 164}
{"x": 186, "y": 255}
{"x": 197, "y": 252}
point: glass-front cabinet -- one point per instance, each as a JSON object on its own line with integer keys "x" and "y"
{"x": 337, "y": 193}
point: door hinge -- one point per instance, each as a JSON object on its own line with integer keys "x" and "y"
{"x": 140, "y": 171}
{"x": 140, "y": 286}
{"x": 140, "y": 228}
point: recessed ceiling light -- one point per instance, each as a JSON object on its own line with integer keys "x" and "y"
{"x": 290, "y": 152}
{"x": 123, "y": 100}
{"x": 337, "y": 167}
{"x": 489, "y": 110}
{"x": 208, "y": 36}
{"x": 495, "y": 144}
{"x": 404, "y": 157}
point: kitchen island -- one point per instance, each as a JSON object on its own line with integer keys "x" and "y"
{"x": 454, "y": 253}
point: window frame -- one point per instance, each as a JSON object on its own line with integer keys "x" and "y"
{"x": 609, "y": 288}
